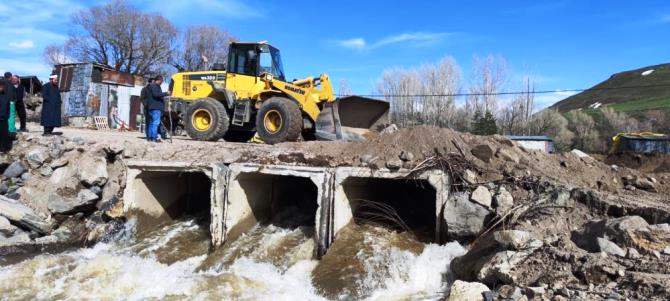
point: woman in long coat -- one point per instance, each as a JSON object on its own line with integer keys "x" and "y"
{"x": 51, "y": 106}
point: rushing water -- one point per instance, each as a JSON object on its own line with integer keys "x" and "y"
{"x": 267, "y": 263}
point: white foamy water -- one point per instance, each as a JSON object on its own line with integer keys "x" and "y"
{"x": 268, "y": 263}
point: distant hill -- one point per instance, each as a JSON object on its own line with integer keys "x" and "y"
{"x": 627, "y": 91}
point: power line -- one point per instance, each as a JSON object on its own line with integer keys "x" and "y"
{"x": 513, "y": 93}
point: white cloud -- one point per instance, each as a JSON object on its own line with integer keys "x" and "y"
{"x": 25, "y": 66}
{"x": 356, "y": 43}
{"x": 22, "y": 44}
{"x": 545, "y": 100}
{"x": 414, "y": 39}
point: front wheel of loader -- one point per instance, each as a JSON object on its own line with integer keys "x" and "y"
{"x": 279, "y": 120}
{"x": 206, "y": 120}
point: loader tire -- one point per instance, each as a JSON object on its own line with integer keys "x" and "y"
{"x": 279, "y": 120}
{"x": 206, "y": 120}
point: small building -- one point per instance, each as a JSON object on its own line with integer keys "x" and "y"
{"x": 542, "y": 143}
{"x": 641, "y": 143}
{"x": 91, "y": 89}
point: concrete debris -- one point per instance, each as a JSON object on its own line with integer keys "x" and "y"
{"x": 464, "y": 219}
{"x": 16, "y": 239}
{"x": 481, "y": 195}
{"x": 467, "y": 291}
{"x": 535, "y": 292}
{"x": 46, "y": 171}
{"x": 390, "y": 129}
{"x": 500, "y": 268}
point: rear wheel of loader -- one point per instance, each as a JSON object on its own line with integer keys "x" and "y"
{"x": 207, "y": 120}
{"x": 279, "y": 120}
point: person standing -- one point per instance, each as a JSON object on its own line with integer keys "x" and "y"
{"x": 51, "y": 106}
{"x": 144, "y": 99}
{"x": 156, "y": 105}
{"x": 19, "y": 104}
{"x": 5, "y": 139}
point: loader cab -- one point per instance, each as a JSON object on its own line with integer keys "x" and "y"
{"x": 252, "y": 59}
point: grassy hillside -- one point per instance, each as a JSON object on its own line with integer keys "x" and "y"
{"x": 626, "y": 91}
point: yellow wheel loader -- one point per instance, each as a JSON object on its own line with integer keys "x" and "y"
{"x": 251, "y": 95}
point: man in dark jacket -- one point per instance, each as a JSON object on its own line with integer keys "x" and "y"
{"x": 18, "y": 104}
{"x": 5, "y": 140}
{"x": 144, "y": 98}
{"x": 51, "y": 106}
{"x": 156, "y": 105}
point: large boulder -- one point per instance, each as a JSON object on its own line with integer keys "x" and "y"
{"x": 467, "y": 291}
{"x": 14, "y": 170}
{"x": 482, "y": 152}
{"x": 609, "y": 247}
{"x": 93, "y": 171}
{"x": 84, "y": 201}
{"x": 22, "y": 216}
{"x": 628, "y": 231}
{"x": 464, "y": 218}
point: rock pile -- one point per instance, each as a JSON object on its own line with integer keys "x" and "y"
{"x": 58, "y": 191}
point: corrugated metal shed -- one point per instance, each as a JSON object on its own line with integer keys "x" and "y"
{"x": 643, "y": 143}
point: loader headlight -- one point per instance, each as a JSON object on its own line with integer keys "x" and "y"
{"x": 268, "y": 77}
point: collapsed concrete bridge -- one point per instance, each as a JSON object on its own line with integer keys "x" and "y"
{"x": 240, "y": 195}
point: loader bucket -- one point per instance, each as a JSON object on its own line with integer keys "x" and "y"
{"x": 352, "y": 118}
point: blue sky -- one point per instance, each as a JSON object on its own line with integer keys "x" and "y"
{"x": 562, "y": 44}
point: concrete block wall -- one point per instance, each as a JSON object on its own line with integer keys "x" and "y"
{"x": 244, "y": 194}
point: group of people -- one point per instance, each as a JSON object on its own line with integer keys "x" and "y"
{"x": 12, "y": 93}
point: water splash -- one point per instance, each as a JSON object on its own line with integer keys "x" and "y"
{"x": 267, "y": 263}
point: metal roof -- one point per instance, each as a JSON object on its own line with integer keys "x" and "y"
{"x": 529, "y": 138}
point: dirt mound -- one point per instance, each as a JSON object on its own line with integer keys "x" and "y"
{"x": 655, "y": 163}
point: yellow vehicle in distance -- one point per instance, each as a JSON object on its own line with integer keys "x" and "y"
{"x": 252, "y": 96}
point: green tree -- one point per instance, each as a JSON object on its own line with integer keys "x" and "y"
{"x": 484, "y": 124}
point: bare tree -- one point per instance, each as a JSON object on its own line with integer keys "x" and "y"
{"x": 586, "y": 135}
{"x": 344, "y": 88}
{"x": 552, "y": 124}
{"x": 119, "y": 35}
{"x": 423, "y": 95}
{"x": 515, "y": 117}
{"x": 489, "y": 76}
{"x": 55, "y": 55}
{"x": 203, "y": 46}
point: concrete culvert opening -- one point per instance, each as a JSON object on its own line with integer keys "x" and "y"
{"x": 398, "y": 204}
{"x": 284, "y": 201}
{"x": 170, "y": 195}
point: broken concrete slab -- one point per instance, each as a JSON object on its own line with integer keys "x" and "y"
{"x": 503, "y": 201}
{"x": 6, "y": 228}
{"x": 609, "y": 247}
{"x": 481, "y": 195}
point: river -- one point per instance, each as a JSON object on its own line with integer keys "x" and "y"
{"x": 174, "y": 262}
